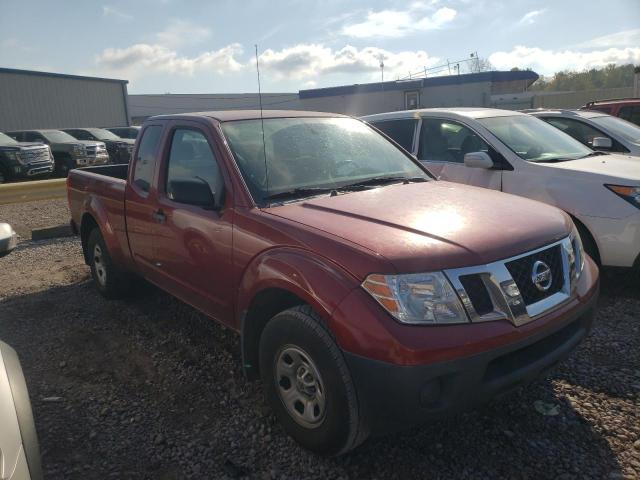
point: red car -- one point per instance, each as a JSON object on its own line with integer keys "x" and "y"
{"x": 625, "y": 108}
{"x": 369, "y": 296}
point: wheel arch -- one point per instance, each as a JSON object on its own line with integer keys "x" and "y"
{"x": 582, "y": 228}
{"x": 87, "y": 224}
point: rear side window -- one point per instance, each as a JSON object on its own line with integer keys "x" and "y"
{"x": 630, "y": 113}
{"x": 147, "y": 157}
{"x": 400, "y": 130}
{"x": 447, "y": 141}
{"x": 192, "y": 157}
{"x": 580, "y": 131}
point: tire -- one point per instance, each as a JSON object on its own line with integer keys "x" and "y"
{"x": 63, "y": 164}
{"x": 110, "y": 281}
{"x": 4, "y": 176}
{"x": 300, "y": 361}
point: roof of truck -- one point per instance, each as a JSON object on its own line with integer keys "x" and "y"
{"x": 470, "y": 112}
{"x": 231, "y": 115}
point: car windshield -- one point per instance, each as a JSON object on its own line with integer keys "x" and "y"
{"x": 310, "y": 155}
{"x": 533, "y": 139}
{"x": 56, "y": 136}
{"x": 627, "y": 130}
{"x": 6, "y": 139}
{"x": 102, "y": 134}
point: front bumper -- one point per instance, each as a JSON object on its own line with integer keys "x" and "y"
{"x": 100, "y": 159}
{"x": 393, "y": 397}
{"x": 618, "y": 240}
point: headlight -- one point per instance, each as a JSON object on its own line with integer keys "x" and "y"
{"x": 576, "y": 259}
{"x": 630, "y": 194}
{"x": 420, "y": 298}
{"x": 11, "y": 154}
{"x": 78, "y": 149}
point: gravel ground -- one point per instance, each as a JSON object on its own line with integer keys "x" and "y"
{"x": 43, "y": 213}
{"x": 148, "y": 388}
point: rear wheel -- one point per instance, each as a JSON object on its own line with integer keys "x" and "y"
{"x": 110, "y": 281}
{"x": 307, "y": 383}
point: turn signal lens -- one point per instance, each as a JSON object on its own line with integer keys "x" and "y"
{"x": 630, "y": 194}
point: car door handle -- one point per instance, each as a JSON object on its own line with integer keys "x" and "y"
{"x": 159, "y": 216}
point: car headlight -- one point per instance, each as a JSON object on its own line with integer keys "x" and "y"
{"x": 11, "y": 155}
{"x": 419, "y": 298}
{"x": 630, "y": 194}
{"x": 576, "y": 258}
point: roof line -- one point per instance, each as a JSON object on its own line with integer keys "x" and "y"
{"x": 59, "y": 75}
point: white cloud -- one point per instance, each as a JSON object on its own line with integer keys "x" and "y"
{"x": 530, "y": 18}
{"x": 310, "y": 61}
{"x": 626, "y": 38}
{"x": 140, "y": 59}
{"x": 547, "y": 62}
{"x": 109, "y": 11}
{"x": 399, "y": 23}
{"x": 182, "y": 32}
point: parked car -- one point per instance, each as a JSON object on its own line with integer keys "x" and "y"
{"x": 119, "y": 148}
{"x": 368, "y": 295}
{"x": 8, "y": 241}
{"x": 68, "y": 152}
{"x": 125, "y": 132}
{"x": 626, "y": 108}
{"x": 23, "y": 160}
{"x": 19, "y": 450}
{"x": 594, "y": 129}
{"x": 517, "y": 153}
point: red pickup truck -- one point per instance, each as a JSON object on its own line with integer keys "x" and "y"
{"x": 369, "y": 296}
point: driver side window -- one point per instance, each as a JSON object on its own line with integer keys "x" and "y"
{"x": 447, "y": 141}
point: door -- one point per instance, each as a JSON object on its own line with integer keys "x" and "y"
{"x": 193, "y": 248}
{"x": 442, "y": 147}
{"x": 141, "y": 199}
{"x": 411, "y": 100}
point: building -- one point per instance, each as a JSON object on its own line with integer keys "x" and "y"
{"x": 30, "y": 99}
{"x": 483, "y": 89}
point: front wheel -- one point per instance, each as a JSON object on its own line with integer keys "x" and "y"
{"x": 111, "y": 282}
{"x": 4, "y": 176}
{"x": 307, "y": 383}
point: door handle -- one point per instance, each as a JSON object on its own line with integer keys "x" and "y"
{"x": 159, "y": 216}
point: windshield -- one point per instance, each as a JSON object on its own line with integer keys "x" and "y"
{"x": 627, "y": 130}
{"x": 56, "y": 136}
{"x": 102, "y": 134}
{"x": 313, "y": 154}
{"x": 6, "y": 139}
{"x": 533, "y": 139}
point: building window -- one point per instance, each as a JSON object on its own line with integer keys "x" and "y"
{"x": 411, "y": 100}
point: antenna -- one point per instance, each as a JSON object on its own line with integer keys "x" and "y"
{"x": 264, "y": 143}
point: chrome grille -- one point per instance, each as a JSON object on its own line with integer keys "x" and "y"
{"x": 91, "y": 150}
{"x": 34, "y": 155}
{"x": 505, "y": 290}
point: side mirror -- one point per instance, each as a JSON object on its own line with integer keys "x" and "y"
{"x": 603, "y": 143}
{"x": 192, "y": 191}
{"x": 8, "y": 239}
{"x": 478, "y": 160}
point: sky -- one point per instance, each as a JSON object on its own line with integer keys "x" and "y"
{"x": 199, "y": 46}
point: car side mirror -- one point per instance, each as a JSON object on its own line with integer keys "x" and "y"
{"x": 8, "y": 239}
{"x": 192, "y": 191}
{"x": 603, "y": 143}
{"x": 478, "y": 160}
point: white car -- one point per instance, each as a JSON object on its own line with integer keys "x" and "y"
{"x": 520, "y": 154}
{"x": 19, "y": 451}
{"x": 595, "y": 129}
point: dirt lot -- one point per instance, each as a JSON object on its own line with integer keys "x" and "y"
{"x": 148, "y": 388}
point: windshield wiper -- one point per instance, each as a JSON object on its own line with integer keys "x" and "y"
{"x": 553, "y": 160}
{"x": 299, "y": 193}
{"x": 381, "y": 181}
{"x": 594, "y": 154}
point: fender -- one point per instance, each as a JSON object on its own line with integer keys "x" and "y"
{"x": 278, "y": 279}
{"x": 315, "y": 279}
{"x": 113, "y": 233}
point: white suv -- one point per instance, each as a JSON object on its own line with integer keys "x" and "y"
{"x": 594, "y": 129}
{"x": 520, "y": 154}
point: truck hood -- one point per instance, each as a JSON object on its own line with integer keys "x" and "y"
{"x": 21, "y": 146}
{"x": 432, "y": 226}
{"x": 612, "y": 166}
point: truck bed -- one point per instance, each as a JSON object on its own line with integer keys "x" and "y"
{"x": 101, "y": 190}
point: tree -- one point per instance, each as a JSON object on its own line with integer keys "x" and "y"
{"x": 611, "y": 76}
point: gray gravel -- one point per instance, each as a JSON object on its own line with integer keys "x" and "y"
{"x": 148, "y": 388}
{"x": 43, "y": 213}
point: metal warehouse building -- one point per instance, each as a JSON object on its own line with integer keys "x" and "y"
{"x": 484, "y": 89}
{"x": 31, "y": 99}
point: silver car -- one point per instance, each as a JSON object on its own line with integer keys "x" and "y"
{"x": 594, "y": 129}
